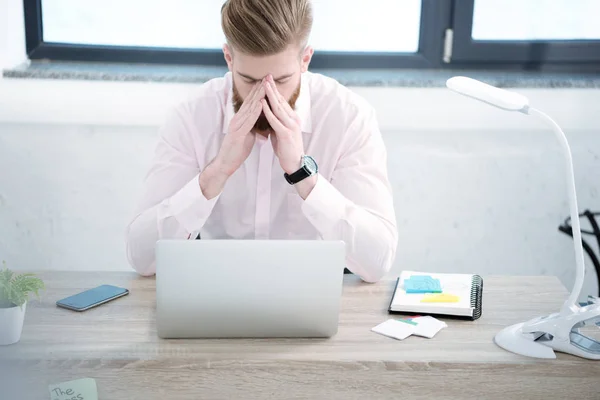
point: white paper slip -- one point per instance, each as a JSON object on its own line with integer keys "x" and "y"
{"x": 428, "y": 326}
{"x": 394, "y": 329}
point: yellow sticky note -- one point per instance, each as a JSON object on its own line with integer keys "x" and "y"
{"x": 440, "y": 298}
{"x": 80, "y": 389}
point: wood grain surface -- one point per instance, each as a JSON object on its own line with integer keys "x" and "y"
{"x": 117, "y": 345}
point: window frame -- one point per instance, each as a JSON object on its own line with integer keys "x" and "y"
{"x": 526, "y": 54}
{"x": 435, "y": 18}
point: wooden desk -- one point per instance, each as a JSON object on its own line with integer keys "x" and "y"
{"x": 117, "y": 345}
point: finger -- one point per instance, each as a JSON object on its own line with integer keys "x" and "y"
{"x": 274, "y": 100}
{"x": 285, "y": 105}
{"x": 255, "y": 94}
{"x": 280, "y": 97}
{"x": 253, "y": 109}
{"x": 248, "y": 123}
{"x": 275, "y": 123}
{"x": 251, "y": 119}
{"x": 277, "y": 108}
{"x": 250, "y": 105}
{"x": 288, "y": 109}
{"x": 260, "y": 94}
{"x": 249, "y": 98}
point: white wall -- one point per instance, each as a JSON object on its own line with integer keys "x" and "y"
{"x": 476, "y": 189}
{"x": 145, "y": 104}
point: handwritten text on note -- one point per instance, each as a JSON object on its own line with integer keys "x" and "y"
{"x": 80, "y": 389}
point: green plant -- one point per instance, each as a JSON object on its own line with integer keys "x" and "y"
{"x": 15, "y": 289}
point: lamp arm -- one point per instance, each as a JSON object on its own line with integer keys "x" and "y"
{"x": 570, "y": 304}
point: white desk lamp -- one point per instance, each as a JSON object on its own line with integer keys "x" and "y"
{"x": 560, "y": 331}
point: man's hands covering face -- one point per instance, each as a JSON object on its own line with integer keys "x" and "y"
{"x": 239, "y": 141}
{"x": 237, "y": 144}
{"x": 287, "y": 138}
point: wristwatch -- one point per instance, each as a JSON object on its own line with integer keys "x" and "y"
{"x": 308, "y": 168}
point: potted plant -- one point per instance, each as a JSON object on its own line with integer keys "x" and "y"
{"x": 15, "y": 290}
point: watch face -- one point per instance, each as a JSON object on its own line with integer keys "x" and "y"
{"x": 310, "y": 164}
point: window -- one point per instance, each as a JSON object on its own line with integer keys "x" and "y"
{"x": 346, "y": 34}
{"x": 378, "y": 33}
{"x": 144, "y": 23}
{"x": 377, "y": 26}
{"x": 533, "y": 32}
{"x": 535, "y": 20}
{"x": 388, "y": 26}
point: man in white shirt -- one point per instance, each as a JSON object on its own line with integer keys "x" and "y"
{"x": 270, "y": 151}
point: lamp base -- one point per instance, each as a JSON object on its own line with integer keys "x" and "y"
{"x": 541, "y": 337}
{"x": 513, "y": 339}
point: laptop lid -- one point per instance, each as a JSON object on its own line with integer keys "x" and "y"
{"x": 253, "y": 288}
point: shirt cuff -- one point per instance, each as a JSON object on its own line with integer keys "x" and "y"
{"x": 190, "y": 207}
{"x": 325, "y": 206}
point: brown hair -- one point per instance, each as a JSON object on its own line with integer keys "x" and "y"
{"x": 266, "y": 27}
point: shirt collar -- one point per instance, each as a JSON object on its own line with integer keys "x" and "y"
{"x": 303, "y": 105}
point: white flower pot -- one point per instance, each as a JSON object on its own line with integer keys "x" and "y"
{"x": 11, "y": 324}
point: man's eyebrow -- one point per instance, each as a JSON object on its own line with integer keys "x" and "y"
{"x": 255, "y": 80}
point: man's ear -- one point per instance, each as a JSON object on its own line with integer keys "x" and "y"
{"x": 227, "y": 53}
{"x": 307, "y": 54}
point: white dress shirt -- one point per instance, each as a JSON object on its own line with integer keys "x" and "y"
{"x": 352, "y": 200}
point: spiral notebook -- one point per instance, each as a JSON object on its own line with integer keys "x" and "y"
{"x": 455, "y": 295}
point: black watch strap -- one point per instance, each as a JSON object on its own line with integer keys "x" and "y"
{"x": 297, "y": 176}
{"x": 309, "y": 167}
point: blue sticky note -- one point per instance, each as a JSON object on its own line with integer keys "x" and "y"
{"x": 422, "y": 284}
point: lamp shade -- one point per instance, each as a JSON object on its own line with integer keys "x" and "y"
{"x": 497, "y": 97}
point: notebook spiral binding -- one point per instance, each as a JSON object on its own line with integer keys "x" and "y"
{"x": 476, "y": 296}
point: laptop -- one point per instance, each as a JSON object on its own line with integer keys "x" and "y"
{"x": 248, "y": 288}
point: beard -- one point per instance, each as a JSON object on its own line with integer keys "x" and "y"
{"x": 262, "y": 124}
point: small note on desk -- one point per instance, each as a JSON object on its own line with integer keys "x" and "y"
{"x": 395, "y": 329}
{"x": 401, "y": 329}
{"x": 80, "y": 389}
{"x": 428, "y": 326}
